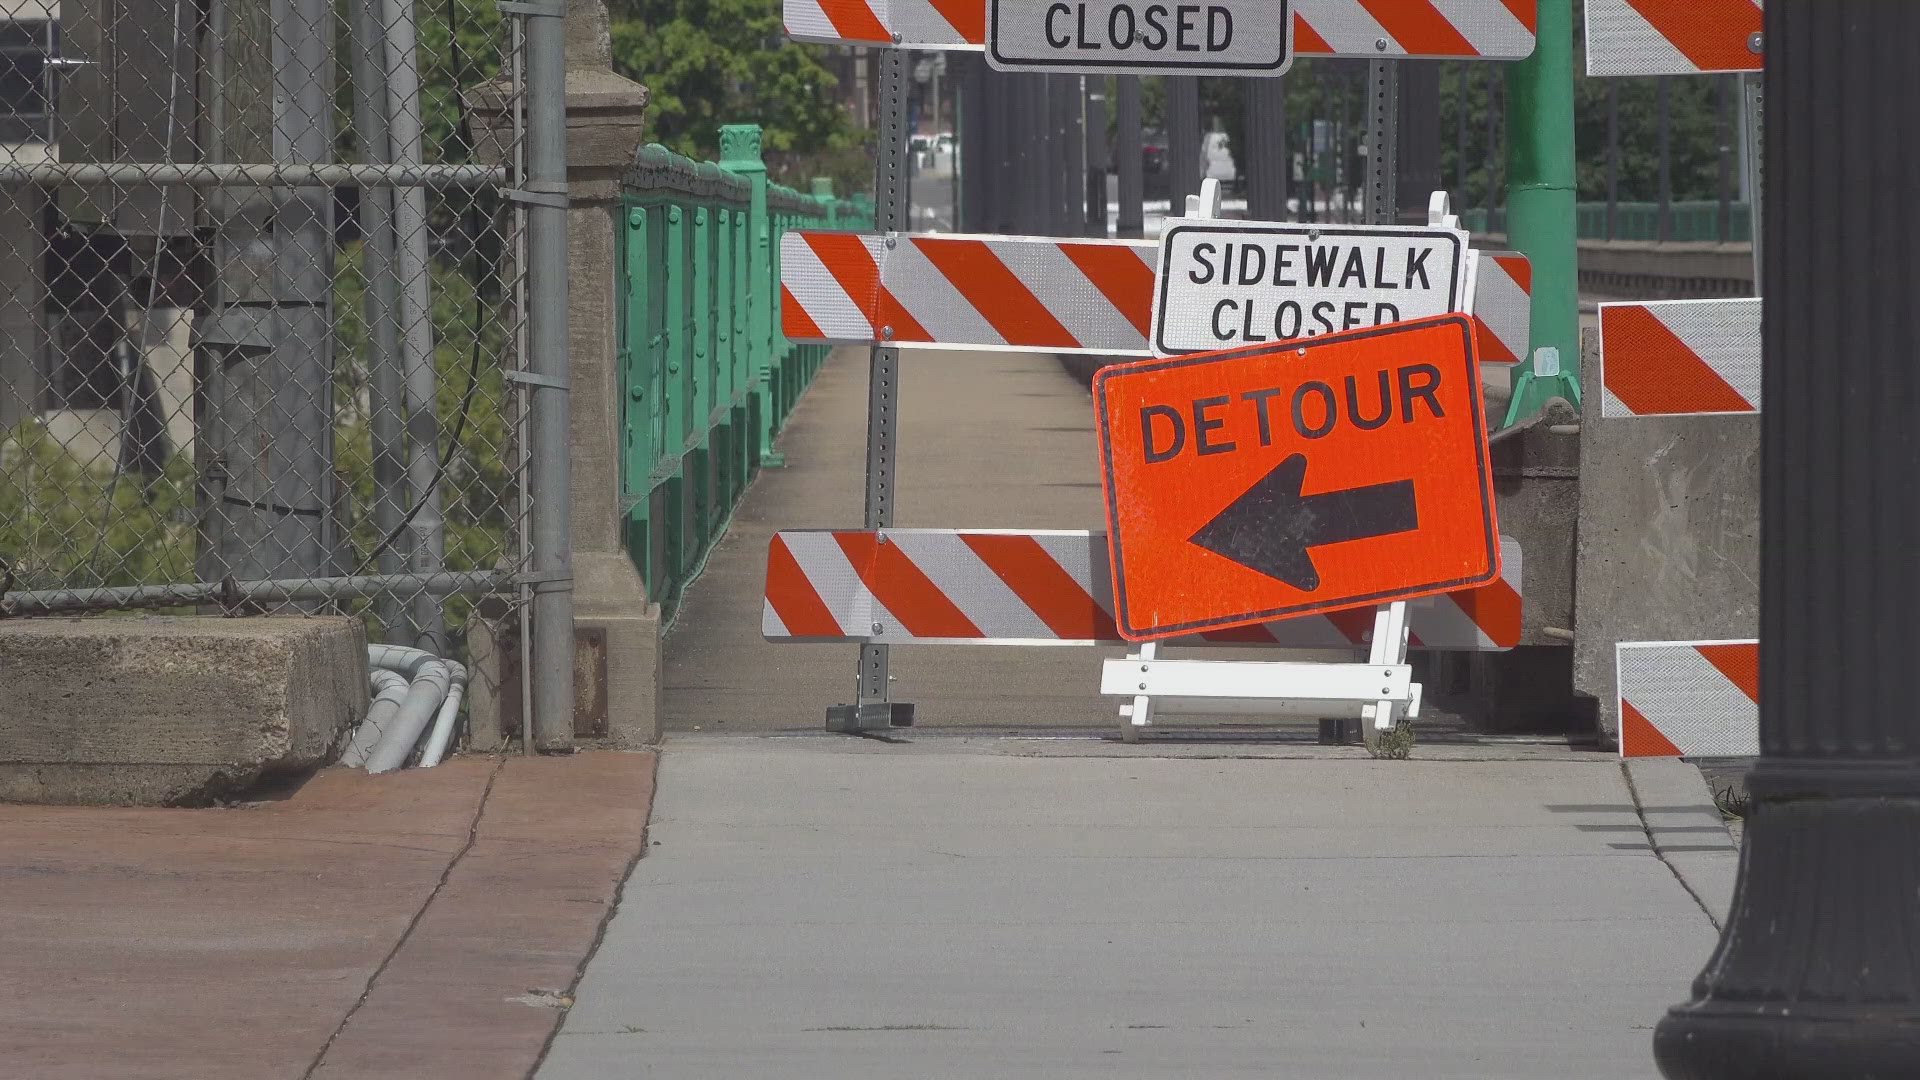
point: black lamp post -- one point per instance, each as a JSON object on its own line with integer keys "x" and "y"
{"x": 1818, "y": 971}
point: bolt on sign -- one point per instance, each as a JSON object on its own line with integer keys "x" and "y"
{"x": 1279, "y": 480}
{"x": 1120, "y": 37}
{"x": 1220, "y": 285}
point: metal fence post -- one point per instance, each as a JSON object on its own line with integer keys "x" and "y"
{"x": 1131, "y": 223}
{"x": 550, "y": 414}
{"x": 1185, "y": 168}
{"x": 1266, "y": 159}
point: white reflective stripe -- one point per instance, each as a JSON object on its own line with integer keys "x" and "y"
{"x": 1611, "y": 407}
{"x": 1620, "y": 41}
{"x": 805, "y": 20}
{"x": 1068, "y": 295}
{"x": 1687, "y": 699}
{"x": 935, "y": 302}
{"x": 1723, "y": 333}
{"x": 819, "y": 293}
{"x": 1084, "y": 558}
{"x": 920, "y": 23}
{"x": 1347, "y": 27}
{"x": 834, "y": 579}
{"x": 1308, "y": 632}
{"x": 770, "y": 625}
{"x": 1502, "y": 305}
{"x": 970, "y": 584}
{"x": 1488, "y": 26}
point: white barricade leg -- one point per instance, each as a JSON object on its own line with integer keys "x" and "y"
{"x": 1137, "y": 716}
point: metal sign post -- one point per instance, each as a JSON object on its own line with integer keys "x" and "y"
{"x": 874, "y": 708}
{"x": 1753, "y": 117}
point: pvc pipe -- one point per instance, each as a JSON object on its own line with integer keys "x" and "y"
{"x": 444, "y": 720}
{"x": 389, "y": 690}
{"x": 430, "y": 684}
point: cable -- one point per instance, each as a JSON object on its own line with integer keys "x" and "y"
{"x": 465, "y": 147}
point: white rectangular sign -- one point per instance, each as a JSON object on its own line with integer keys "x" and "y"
{"x": 1222, "y": 284}
{"x": 1218, "y": 37}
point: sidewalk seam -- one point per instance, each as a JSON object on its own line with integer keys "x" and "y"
{"x": 606, "y": 920}
{"x": 1639, "y": 811}
{"x": 446, "y": 873}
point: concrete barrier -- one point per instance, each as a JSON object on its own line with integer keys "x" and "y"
{"x": 171, "y": 710}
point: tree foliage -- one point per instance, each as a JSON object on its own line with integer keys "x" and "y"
{"x": 715, "y": 62}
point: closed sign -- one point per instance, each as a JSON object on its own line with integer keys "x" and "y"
{"x": 1221, "y": 37}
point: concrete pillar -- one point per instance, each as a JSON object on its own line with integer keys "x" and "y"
{"x": 604, "y": 115}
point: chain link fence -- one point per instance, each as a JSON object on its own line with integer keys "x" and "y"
{"x": 260, "y": 311}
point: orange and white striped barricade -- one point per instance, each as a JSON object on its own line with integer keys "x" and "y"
{"x": 1022, "y": 293}
{"x": 1373, "y": 29}
{"x": 1673, "y": 498}
{"x": 1689, "y": 698}
{"x": 1672, "y": 37}
{"x": 1027, "y": 588}
{"x": 1680, "y": 358}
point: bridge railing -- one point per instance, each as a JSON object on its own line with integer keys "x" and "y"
{"x": 1694, "y": 221}
{"x": 707, "y": 379}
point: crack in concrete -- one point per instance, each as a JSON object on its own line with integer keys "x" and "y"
{"x": 446, "y": 872}
{"x": 1646, "y": 827}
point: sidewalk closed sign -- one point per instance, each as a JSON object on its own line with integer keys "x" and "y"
{"x": 1218, "y": 37}
{"x": 1223, "y": 285}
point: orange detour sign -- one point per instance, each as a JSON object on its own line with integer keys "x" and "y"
{"x": 1274, "y": 480}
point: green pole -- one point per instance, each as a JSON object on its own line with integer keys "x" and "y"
{"x": 1541, "y": 215}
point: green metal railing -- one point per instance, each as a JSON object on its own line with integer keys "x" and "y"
{"x": 707, "y": 379}
{"x": 1693, "y": 220}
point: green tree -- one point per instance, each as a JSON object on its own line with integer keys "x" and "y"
{"x": 715, "y": 62}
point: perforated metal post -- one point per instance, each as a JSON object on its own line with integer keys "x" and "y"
{"x": 874, "y": 708}
{"x": 1383, "y": 141}
{"x": 1753, "y": 99}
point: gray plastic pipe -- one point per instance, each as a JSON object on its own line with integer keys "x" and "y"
{"x": 444, "y": 720}
{"x": 429, "y": 680}
{"x": 389, "y": 690}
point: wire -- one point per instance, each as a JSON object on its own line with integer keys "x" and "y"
{"x": 465, "y": 146}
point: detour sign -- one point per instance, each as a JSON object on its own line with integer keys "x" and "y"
{"x": 1278, "y": 480}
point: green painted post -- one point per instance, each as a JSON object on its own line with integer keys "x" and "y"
{"x": 1540, "y": 209}
{"x": 639, "y": 408}
{"x": 823, "y": 194}
{"x": 740, "y": 155}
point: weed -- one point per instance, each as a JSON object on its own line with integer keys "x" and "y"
{"x": 1394, "y": 745}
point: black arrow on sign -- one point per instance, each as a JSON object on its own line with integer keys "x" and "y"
{"x": 1270, "y": 527}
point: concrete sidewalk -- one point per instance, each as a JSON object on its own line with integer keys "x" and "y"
{"x": 420, "y": 924}
{"x": 819, "y": 908}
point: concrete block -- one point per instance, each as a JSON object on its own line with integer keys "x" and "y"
{"x": 610, "y": 596}
{"x": 171, "y": 710}
{"x": 1669, "y": 541}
